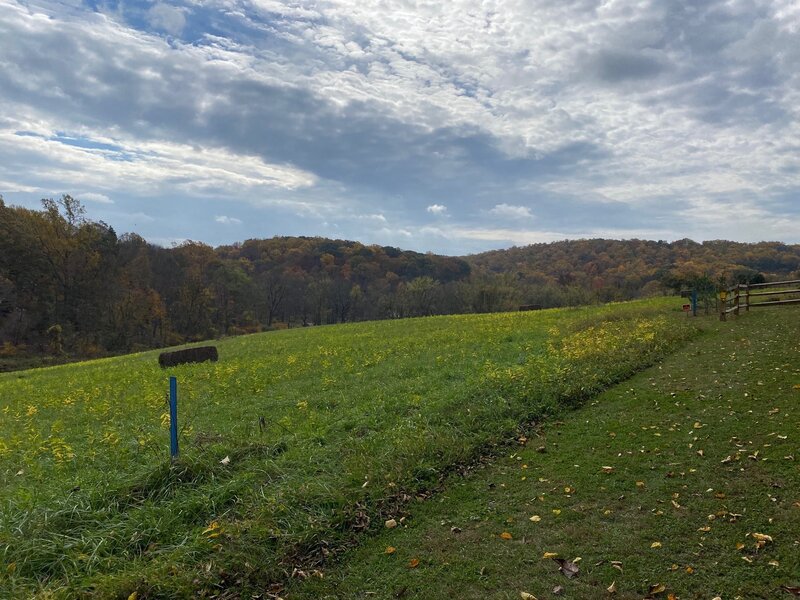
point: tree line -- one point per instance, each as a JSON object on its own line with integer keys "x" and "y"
{"x": 71, "y": 286}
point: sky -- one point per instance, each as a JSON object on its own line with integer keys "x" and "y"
{"x": 452, "y": 126}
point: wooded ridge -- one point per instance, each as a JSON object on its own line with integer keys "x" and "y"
{"x": 72, "y": 286}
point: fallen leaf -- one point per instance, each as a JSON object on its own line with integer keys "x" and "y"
{"x": 390, "y": 550}
{"x": 656, "y": 588}
{"x": 774, "y": 563}
{"x": 556, "y": 511}
{"x": 212, "y": 530}
{"x": 760, "y": 537}
{"x": 747, "y": 559}
{"x": 558, "y": 590}
{"x": 225, "y": 461}
{"x": 617, "y": 565}
{"x": 567, "y": 567}
{"x": 505, "y": 535}
{"x": 689, "y": 570}
{"x": 655, "y": 545}
{"x": 612, "y": 589}
{"x": 133, "y": 596}
{"x": 607, "y": 469}
{"x": 413, "y": 563}
{"x": 640, "y": 484}
{"x": 527, "y": 596}
{"x": 549, "y": 554}
{"x": 390, "y": 524}
{"x": 739, "y": 546}
{"x": 705, "y": 529}
{"x": 535, "y": 518}
{"x": 672, "y": 596}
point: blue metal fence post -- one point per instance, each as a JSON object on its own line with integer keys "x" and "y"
{"x": 694, "y": 303}
{"x": 173, "y": 417}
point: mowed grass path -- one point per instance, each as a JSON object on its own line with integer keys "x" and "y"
{"x": 660, "y": 485}
{"x": 291, "y": 446}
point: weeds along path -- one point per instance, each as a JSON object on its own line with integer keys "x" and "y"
{"x": 682, "y": 482}
{"x": 293, "y": 444}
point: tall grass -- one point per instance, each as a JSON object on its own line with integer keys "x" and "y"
{"x": 292, "y": 445}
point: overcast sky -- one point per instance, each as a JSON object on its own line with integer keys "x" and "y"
{"x": 447, "y": 125}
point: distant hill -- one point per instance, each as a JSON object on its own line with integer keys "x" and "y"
{"x": 621, "y": 269}
{"x": 70, "y": 286}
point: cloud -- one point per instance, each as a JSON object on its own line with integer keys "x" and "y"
{"x": 95, "y": 197}
{"x": 166, "y": 18}
{"x": 224, "y": 220}
{"x": 135, "y": 165}
{"x": 395, "y": 233}
{"x": 509, "y": 211}
{"x": 372, "y": 217}
{"x": 614, "y": 66}
{"x": 605, "y": 113}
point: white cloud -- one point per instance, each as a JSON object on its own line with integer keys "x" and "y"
{"x": 7, "y": 187}
{"x": 146, "y": 167}
{"x": 167, "y": 18}
{"x": 574, "y": 103}
{"x": 378, "y": 217}
{"x": 509, "y": 211}
{"x": 395, "y": 233}
{"x": 225, "y": 220}
{"x": 95, "y": 197}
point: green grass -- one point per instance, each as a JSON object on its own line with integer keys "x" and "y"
{"x": 292, "y": 445}
{"x": 703, "y": 450}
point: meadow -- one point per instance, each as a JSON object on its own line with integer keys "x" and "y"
{"x": 293, "y": 445}
{"x": 681, "y": 482}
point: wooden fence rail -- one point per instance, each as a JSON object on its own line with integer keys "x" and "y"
{"x": 746, "y": 296}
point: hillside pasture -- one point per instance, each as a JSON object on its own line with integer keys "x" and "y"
{"x": 681, "y": 482}
{"x": 292, "y": 445}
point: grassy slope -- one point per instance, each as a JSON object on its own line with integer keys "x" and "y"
{"x": 667, "y": 434}
{"x": 352, "y": 415}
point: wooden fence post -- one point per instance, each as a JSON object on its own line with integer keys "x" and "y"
{"x": 747, "y": 297}
{"x": 723, "y": 305}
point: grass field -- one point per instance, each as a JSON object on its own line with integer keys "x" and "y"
{"x": 293, "y": 444}
{"x": 661, "y": 485}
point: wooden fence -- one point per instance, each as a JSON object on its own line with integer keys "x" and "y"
{"x": 747, "y": 296}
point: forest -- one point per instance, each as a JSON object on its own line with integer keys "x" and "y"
{"x": 71, "y": 287}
